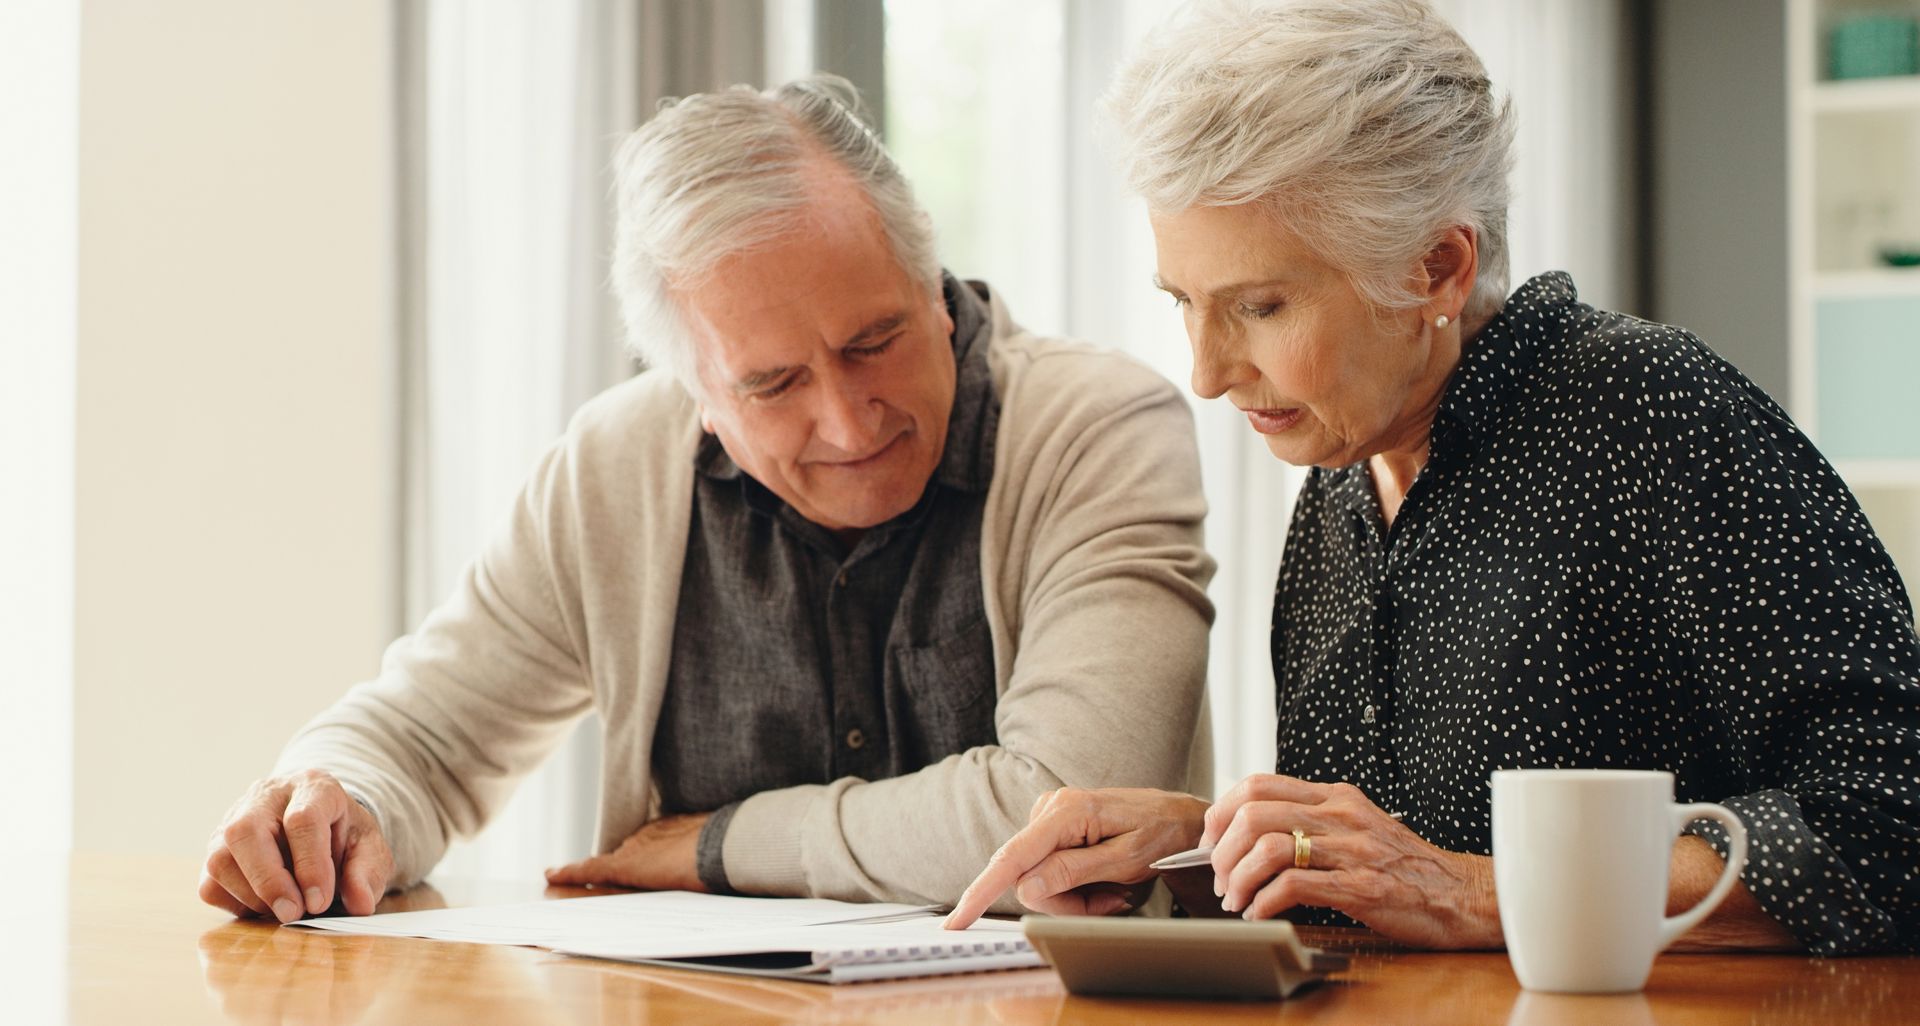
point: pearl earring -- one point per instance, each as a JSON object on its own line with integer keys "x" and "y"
{"x": 1441, "y": 321}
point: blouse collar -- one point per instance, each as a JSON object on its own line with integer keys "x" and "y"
{"x": 1491, "y": 372}
{"x": 1498, "y": 359}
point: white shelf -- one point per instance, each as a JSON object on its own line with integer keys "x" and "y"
{"x": 1873, "y": 282}
{"x": 1893, "y": 93}
{"x": 1879, "y": 473}
{"x": 1850, "y": 140}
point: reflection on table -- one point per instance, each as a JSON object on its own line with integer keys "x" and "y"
{"x": 141, "y": 948}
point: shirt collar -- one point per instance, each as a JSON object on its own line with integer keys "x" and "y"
{"x": 966, "y": 464}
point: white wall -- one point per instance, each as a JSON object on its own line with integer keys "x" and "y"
{"x": 235, "y": 510}
{"x": 1717, "y": 74}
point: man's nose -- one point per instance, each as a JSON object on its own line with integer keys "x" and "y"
{"x": 849, "y": 419}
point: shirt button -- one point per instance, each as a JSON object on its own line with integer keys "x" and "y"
{"x": 843, "y": 583}
{"x": 1366, "y": 715}
{"x": 855, "y": 739}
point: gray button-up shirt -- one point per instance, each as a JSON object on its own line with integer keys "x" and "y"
{"x": 797, "y": 660}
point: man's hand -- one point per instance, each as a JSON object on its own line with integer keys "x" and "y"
{"x": 661, "y": 856}
{"x": 1083, "y": 852}
{"x": 287, "y": 843}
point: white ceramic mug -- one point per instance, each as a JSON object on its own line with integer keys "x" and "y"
{"x": 1580, "y": 860}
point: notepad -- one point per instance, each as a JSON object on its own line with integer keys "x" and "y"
{"x": 792, "y": 938}
{"x": 846, "y": 952}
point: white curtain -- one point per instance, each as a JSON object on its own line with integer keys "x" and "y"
{"x": 1025, "y": 199}
{"x": 1249, "y": 493}
{"x": 1567, "y": 66}
{"x": 39, "y": 279}
{"x": 515, "y": 112}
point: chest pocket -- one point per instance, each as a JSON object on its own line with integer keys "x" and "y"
{"x": 942, "y": 699}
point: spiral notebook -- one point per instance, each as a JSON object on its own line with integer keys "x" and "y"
{"x": 847, "y": 952}
{"x": 790, "y": 938}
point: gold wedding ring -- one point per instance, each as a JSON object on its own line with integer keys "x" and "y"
{"x": 1302, "y": 849}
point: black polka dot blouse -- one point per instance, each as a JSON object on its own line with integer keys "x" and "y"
{"x": 1621, "y": 553}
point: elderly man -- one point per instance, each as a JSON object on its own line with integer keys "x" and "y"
{"x": 856, "y": 575}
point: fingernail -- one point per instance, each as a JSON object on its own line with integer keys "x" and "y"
{"x": 314, "y": 904}
{"x": 285, "y": 910}
{"x": 1219, "y": 889}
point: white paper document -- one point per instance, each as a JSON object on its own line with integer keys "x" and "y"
{"x": 799, "y": 938}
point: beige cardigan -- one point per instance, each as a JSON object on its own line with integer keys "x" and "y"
{"x": 1095, "y": 581}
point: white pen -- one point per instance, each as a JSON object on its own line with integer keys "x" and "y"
{"x": 1203, "y": 855}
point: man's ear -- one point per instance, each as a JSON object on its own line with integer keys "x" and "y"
{"x": 706, "y": 420}
{"x": 1451, "y": 267}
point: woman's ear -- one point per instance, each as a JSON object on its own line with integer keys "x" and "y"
{"x": 1451, "y": 267}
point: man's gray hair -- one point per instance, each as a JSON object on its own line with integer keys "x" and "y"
{"x": 1368, "y": 126}
{"x": 715, "y": 174}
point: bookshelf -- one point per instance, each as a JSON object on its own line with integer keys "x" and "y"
{"x": 1853, "y": 150}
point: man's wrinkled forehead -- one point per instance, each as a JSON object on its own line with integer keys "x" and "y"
{"x": 828, "y": 284}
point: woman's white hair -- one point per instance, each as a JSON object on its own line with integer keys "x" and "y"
{"x": 1368, "y": 126}
{"x": 720, "y": 173}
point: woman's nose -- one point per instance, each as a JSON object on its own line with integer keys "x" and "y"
{"x": 1216, "y": 368}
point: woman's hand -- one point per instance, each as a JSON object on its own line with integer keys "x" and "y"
{"x": 1362, "y": 862}
{"x": 1083, "y": 851}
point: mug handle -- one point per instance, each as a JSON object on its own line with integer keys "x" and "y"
{"x": 1672, "y": 927}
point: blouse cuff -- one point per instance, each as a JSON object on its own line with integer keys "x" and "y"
{"x": 1799, "y": 880}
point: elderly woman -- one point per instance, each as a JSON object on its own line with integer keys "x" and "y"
{"x": 1535, "y": 534}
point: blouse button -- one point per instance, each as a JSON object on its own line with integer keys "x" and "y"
{"x": 1366, "y": 715}
{"x": 855, "y": 739}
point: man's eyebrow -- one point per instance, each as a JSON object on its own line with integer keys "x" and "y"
{"x": 879, "y": 326}
{"x": 755, "y": 380}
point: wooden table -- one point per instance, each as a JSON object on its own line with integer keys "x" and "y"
{"x": 141, "y": 948}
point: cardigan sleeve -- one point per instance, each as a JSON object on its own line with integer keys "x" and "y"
{"x": 1100, "y": 514}
{"x": 474, "y": 699}
{"x": 1809, "y": 670}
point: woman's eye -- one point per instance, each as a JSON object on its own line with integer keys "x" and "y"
{"x": 1259, "y": 313}
{"x": 1180, "y": 301}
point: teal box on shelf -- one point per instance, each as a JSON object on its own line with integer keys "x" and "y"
{"x": 1874, "y": 46}
{"x": 1867, "y": 362}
